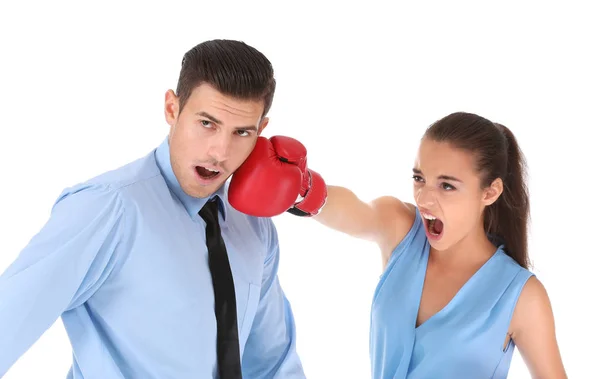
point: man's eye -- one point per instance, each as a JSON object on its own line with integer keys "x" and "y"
{"x": 205, "y": 123}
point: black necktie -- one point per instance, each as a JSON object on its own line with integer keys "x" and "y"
{"x": 228, "y": 351}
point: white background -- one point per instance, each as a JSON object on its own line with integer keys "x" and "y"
{"x": 82, "y": 92}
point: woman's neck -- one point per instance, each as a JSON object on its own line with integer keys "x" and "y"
{"x": 474, "y": 248}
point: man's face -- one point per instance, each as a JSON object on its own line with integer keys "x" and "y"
{"x": 211, "y": 137}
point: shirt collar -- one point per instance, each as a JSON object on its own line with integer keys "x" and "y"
{"x": 191, "y": 204}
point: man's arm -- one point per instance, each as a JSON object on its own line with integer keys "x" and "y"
{"x": 271, "y": 347}
{"x": 59, "y": 269}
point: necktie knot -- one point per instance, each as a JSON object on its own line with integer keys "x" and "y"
{"x": 210, "y": 211}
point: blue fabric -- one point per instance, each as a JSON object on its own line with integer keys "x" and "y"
{"x": 123, "y": 260}
{"x": 463, "y": 340}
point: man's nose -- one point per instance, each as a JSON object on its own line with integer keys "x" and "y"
{"x": 220, "y": 147}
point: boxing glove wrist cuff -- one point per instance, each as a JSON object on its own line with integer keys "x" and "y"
{"x": 314, "y": 199}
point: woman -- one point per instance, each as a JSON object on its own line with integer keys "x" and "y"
{"x": 456, "y": 294}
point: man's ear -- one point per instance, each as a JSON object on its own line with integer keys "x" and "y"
{"x": 263, "y": 124}
{"x": 493, "y": 192}
{"x": 171, "y": 107}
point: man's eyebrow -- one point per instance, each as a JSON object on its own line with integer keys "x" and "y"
{"x": 211, "y": 118}
{"x": 250, "y": 127}
{"x": 219, "y": 122}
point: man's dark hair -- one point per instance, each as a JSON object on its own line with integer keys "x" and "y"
{"x": 231, "y": 67}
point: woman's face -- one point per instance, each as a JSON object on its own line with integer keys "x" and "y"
{"x": 448, "y": 193}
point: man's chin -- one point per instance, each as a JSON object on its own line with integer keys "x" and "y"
{"x": 203, "y": 191}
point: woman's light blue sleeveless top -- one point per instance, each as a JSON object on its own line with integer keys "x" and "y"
{"x": 462, "y": 341}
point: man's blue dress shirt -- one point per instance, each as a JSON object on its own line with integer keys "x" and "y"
{"x": 123, "y": 260}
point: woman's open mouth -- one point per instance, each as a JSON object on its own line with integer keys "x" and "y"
{"x": 433, "y": 225}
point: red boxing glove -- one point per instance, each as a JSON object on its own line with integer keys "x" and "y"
{"x": 272, "y": 178}
{"x": 313, "y": 190}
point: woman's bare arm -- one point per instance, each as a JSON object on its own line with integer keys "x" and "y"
{"x": 385, "y": 220}
{"x": 534, "y": 334}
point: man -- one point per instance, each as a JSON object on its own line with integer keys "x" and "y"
{"x": 153, "y": 272}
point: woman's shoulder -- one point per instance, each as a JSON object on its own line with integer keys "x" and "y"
{"x": 533, "y": 330}
{"x": 533, "y": 301}
{"x": 401, "y": 222}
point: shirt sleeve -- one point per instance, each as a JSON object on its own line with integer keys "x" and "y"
{"x": 270, "y": 351}
{"x": 60, "y": 267}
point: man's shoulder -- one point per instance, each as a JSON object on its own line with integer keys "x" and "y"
{"x": 115, "y": 182}
{"x": 137, "y": 171}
